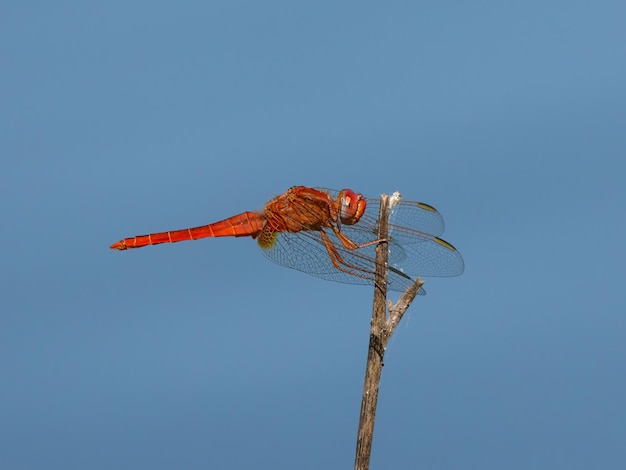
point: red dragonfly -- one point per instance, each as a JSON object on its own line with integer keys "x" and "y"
{"x": 333, "y": 235}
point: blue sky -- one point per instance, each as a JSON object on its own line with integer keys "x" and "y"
{"x": 129, "y": 117}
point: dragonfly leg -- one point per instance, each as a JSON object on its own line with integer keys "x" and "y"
{"x": 336, "y": 258}
{"x": 349, "y": 244}
{"x": 339, "y": 262}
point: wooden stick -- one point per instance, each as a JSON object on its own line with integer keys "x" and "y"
{"x": 380, "y": 331}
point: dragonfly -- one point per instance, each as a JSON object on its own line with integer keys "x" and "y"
{"x": 333, "y": 235}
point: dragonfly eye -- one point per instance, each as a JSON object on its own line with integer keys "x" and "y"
{"x": 352, "y": 206}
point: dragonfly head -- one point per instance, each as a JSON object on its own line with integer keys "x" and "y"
{"x": 351, "y": 206}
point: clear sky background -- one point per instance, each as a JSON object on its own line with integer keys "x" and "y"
{"x": 123, "y": 118}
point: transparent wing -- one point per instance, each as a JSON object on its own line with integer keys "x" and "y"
{"x": 416, "y": 216}
{"x": 305, "y": 251}
{"x": 424, "y": 256}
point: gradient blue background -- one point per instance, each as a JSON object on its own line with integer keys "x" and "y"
{"x": 128, "y": 117}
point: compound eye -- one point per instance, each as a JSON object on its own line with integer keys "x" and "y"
{"x": 352, "y": 206}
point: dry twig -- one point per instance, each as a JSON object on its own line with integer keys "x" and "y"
{"x": 382, "y": 327}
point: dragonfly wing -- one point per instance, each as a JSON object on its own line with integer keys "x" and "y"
{"x": 411, "y": 215}
{"x": 413, "y": 253}
{"x": 414, "y": 246}
{"x": 305, "y": 251}
{"x": 435, "y": 258}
